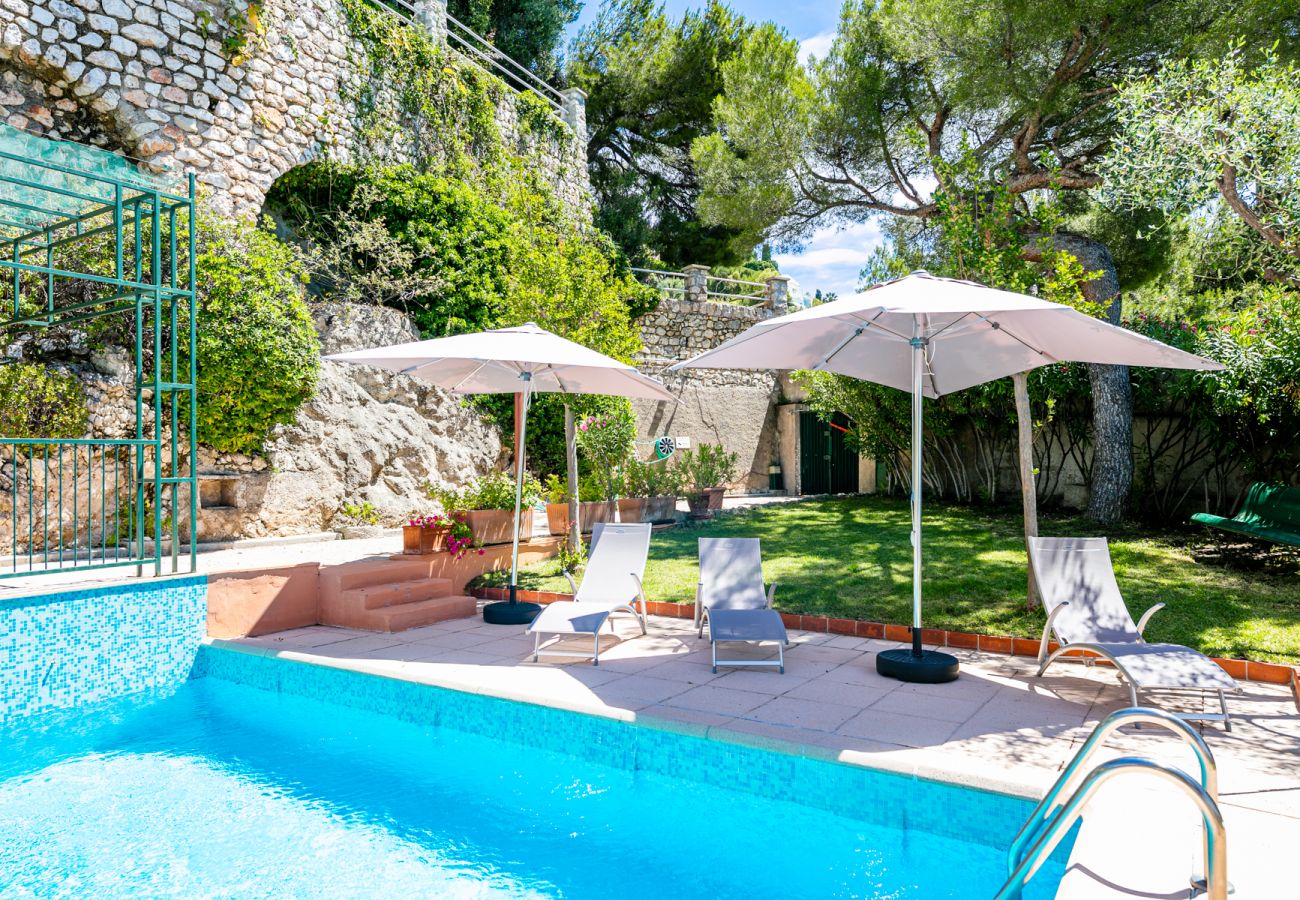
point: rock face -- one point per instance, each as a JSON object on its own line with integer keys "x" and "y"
{"x": 366, "y": 436}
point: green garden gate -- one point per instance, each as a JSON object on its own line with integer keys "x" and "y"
{"x": 94, "y": 240}
{"x": 826, "y": 464}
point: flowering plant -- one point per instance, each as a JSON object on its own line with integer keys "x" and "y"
{"x": 460, "y": 538}
{"x": 433, "y": 521}
{"x": 607, "y": 440}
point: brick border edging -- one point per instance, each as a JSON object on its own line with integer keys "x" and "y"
{"x": 1242, "y": 669}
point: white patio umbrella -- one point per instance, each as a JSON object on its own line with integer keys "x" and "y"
{"x": 521, "y": 360}
{"x": 934, "y": 336}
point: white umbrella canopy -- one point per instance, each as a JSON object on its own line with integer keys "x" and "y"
{"x": 934, "y": 336}
{"x": 524, "y": 359}
{"x": 503, "y": 360}
{"x": 972, "y": 334}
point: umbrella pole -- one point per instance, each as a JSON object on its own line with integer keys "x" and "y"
{"x": 918, "y": 363}
{"x": 916, "y": 664}
{"x": 521, "y": 436}
{"x": 512, "y": 612}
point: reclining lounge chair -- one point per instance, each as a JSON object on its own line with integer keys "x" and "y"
{"x": 610, "y": 584}
{"x": 1086, "y": 611}
{"x": 730, "y": 599}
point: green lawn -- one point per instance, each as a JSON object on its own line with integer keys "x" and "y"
{"x": 850, "y": 558}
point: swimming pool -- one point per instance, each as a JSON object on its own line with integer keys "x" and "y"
{"x": 223, "y": 789}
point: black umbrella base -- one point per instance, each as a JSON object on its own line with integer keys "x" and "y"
{"x": 507, "y": 613}
{"x": 931, "y": 667}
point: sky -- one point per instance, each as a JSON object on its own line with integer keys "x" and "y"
{"x": 831, "y": 259}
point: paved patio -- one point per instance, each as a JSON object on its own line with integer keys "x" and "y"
{"x": 996, "y": 727}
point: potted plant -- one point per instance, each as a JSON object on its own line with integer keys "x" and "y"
{"x": 487, "y": 506}
{"x": 607, "y": 441}
{"x": 591, "y": 508}
{"x": 652, "y": 492}
{"x": 703, "y": 471}
{"x": 356, "y": 521}
{"x": 425, "y": 534}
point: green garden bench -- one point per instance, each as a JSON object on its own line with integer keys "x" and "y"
{"x": 1271, "y": 513}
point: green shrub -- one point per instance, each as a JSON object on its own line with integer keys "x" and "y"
{"x": 258, "y": 355}
{"x": 707, "y": 466}
{"x": 38, "y": 402}
{"x": 651, "y": 479}
{"x": 495, "y": 490}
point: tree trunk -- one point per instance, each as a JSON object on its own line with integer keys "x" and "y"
{"x": 1112, "y": 393}
{"x": 1028, "y": 491}
{"x": 574, "y": 536}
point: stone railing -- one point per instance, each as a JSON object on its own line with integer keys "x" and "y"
{"x": 694, "y": 283}
{"x": 569, "y": 105}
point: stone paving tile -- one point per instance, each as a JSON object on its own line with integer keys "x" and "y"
{"x": 355, "y": 646}
{"x": 692, "y": 669}
{"x": 820, "y": 690}
{"x": 859, "y": 673}
{"x": 950, "y": 709}
{"x": 802, "y": 714}
{"x": 763, "y": 681}
{"x": 713, "y": 699}
{"x": 638, "y": 691}
{"x": 893, "y": 728}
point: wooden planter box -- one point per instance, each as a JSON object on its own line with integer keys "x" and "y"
{"x": 417, "y": 541}
{"x": 495, "y": 526}
{"x": 557, "y": 515}
{"x": 715, "y": 497}
{"x": 647, "y": 509}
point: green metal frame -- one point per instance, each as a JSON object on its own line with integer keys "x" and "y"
{"x": 56, "y": 196}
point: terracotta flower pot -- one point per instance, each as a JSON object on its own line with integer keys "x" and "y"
{"x": 589, "y": 513}
{"x": 419, "y": 541}
{"x": 495, "y": 526}
{"x": 715, "y": 497}
{"x": 699, "y": 506}
{"x": 632, "y": 509}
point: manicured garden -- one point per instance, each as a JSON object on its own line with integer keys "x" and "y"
{"x": 851, "y": 558}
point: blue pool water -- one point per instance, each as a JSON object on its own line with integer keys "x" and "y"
{"x": 225, "y": 790}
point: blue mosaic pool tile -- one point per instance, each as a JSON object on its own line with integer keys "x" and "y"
{"x": 853, "y": 791}
{"x": 71, "y": 648}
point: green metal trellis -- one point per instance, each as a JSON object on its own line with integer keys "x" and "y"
{"x": 92, "y": 235}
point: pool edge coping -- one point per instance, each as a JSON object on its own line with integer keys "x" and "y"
{"x": 1019, "y": 790}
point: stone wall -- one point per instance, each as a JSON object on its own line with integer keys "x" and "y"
{"x": 736, "y": 409}
{"x": 151, "y": 79}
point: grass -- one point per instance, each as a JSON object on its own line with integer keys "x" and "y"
{"x": 851, "y": 558}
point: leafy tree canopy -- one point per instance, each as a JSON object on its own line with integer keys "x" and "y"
{"x": 1214, "y": 133}
{"x": 651, "y": 84}
{"x": 528, "y": 31}
{"x": 1024, "y": 85}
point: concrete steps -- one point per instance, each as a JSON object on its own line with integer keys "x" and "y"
{"x": 423, "y": 612}
{"x": 378, "y": 596}
{"x": 391, "y": 594}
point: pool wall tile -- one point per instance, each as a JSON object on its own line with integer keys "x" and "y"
{"x": 71, "y": 648}
{"x": 854, "y": 791}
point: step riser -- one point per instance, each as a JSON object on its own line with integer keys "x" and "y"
{"x": 401, "y": 616}
{"x": 382, "y": 595}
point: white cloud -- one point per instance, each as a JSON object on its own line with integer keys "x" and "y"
{"x": 818, "y": 45}
{"x": 832, "y": 258}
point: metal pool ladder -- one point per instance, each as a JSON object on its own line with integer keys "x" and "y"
{"x": 1063, "y": 805}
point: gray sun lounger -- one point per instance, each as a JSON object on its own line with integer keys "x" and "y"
{"x": 730, "y": 599}
{"x": 611, "y": 583}
{"x": 1086, "y": 611}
